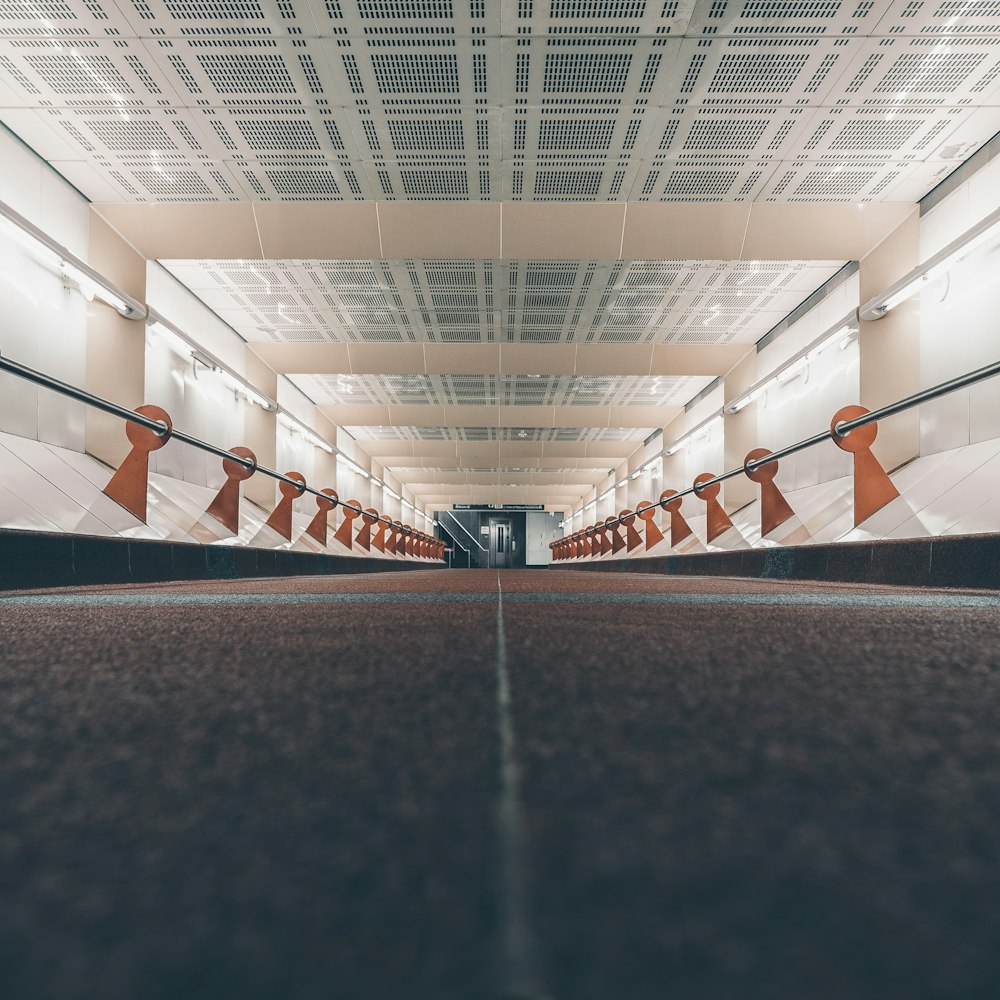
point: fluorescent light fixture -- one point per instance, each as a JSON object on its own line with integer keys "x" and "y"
{"x": 408, "y": 505}
{"x": 591, "y": 505}
{"x": 392, "y": 493}
{"x": 297, "y": 426}
{"x": 57, "y": 258}
{"x": 842, "y": 333}
{"x": 606, "y": 494}
{"x": 376, "y": 482}
{"x": 696, "y": 432}
{"x": 354, "y": 467}
{"x": 983, "y": 232}
{"x": 638, "y": 472}
{"x": 624, "y": 482}
{"x": 182, "y": 344}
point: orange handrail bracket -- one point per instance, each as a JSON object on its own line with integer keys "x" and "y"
{"x": 873, "y": 488}
{"x": 617, "y": 542}
{"x": 646, "y": 510}
{"x": 679, "y": 528}
{"x": 225, "y": 508}
{"x": 632, "y": 537}
{"x": 364, "y": 535}
{"x": 774, "y": 508}
{"x": 130, "y": 484}
{"x": 319, "y": 525}
{"x": 281, "y": 516}
{"x": 378, "y": 539}
{"x": 718, "y": 520}
{"x": 345, "y": 533}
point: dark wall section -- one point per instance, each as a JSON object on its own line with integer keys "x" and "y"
{"x": 475, "y": 535}
{"x": 36, "y": 559}
{"x": 951, "y": 561}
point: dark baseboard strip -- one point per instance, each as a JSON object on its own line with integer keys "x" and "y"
{"x": 31, "y": 559}
{"x": 949, "y": 561}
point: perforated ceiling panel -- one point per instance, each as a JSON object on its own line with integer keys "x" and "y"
{"x": 506, "y": 390}
{"x": 473, "y": 301}
{"x": 575, "y": 435}
{"x": 549, "y": 100}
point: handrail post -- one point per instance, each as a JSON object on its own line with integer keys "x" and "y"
{"x": 281, "y": 516}
{"x": 774, "y": 508}
{"x": 647, "y": 513}
{"x": 719, "y": 521}
{"x": 225, "y": 508}
{"x": 873, "y": 488}
{"x": 345, "y": 533}
{"x": 129, "y": 486}
{"x": 364, "y": 535}
{"x": 319, "y": 525}
{"x": 679, "y": 528}
{"x": 632, "y": 537}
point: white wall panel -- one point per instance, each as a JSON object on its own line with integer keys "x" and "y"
{"x": 959, "y": 333}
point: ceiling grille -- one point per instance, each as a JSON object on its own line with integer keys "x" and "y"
{"x": 610, "y": 100}
{"x": 483, "y": 301}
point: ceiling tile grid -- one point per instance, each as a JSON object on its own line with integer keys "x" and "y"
{"x": 575, "y": 435}
{"x": 505, "y": 390}
{"x": 538, "y": 100}
{"x": 481, "y": 301}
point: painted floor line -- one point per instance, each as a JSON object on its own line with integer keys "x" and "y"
{"x": 517, "y": 972}
{"x": 827, "y": 600}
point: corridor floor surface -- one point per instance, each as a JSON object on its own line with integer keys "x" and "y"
{"x": 469, "y": 785}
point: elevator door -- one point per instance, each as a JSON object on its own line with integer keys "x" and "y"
{"x": 501, "y": 542}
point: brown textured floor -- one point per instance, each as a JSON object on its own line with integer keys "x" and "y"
{"x": 717, "y": 800}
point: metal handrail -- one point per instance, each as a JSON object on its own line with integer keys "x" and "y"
{"x": 475, "y": 541}
{"x": 160, "y": 428}
{"x": 841, "y": 430}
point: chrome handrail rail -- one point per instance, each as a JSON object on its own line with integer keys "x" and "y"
{"x": 842, "y": 429}
{"x": 160, "y": 428}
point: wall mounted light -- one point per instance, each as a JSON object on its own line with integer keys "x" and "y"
{"x": 983, "y": 232}
{"x": 696, "y": 432}
{"x": 843, "y": 333}
{"x": 355, "y": 468}
{"x": 73, "y": 270}
{"x": 298, "y": 427}
{"x": 182, "y": 344}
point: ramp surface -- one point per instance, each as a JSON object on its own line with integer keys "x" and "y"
{"x": 471, "y": 785}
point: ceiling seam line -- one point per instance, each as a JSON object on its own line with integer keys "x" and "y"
{"x": 378, "y": 227}
{"x": 256, "y": 225}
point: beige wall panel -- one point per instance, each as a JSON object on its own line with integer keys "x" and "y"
{"x": 357, "y": 415}
{"x": 684, "y": 231}
{"x": 617, "y": 359}
{"x": 416, "y": 415}
{"x": 260, "y": 430}
{"x": 890, "y": 347}
{"x": 461, "y": 359}
{"x": 318, "y": 230}
{"x": 556, "y": 231}
{"x": 116, "y": 347}
{"x": 176, "y": 231}
{"x": 387, "y": 359}
{"x": 305, "y": 359}
{"x": 692, "y": 359}
{"x": 740, "y": 435}
{"x": 782, "y": 231}
{"x": 536, "y": 359}
{"x": 442, "y": 229}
